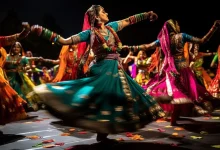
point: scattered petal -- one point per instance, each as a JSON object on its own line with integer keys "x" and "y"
{"x": 179, "y": 129}
{"x": 38, "y": 145}
{"x": 161, "y": 130}
{"x": 82, "y": 132}
{"x": 65, "y": 134}
{"x": 28, "y": 122}
{"x": 48, "y": 141}
{"x": 59, "y": 144}
{"x": 160, "y": 120}
{"x": 177, "y": 136}
{"x": 216, "y": 146}
{"x": 175, "y": 133}
{"x": 137, "y": 137}
{"x": 120, "y": 139}
{"x": 33, "y": 137}
{"x": 72, "y": 129}
{"x": 215, "y": 118}
{"x": 168, "y": 126}
{"x": 128, "y": 134}
{"x": 196, "y": 137}
{"x": 49, "y": 146}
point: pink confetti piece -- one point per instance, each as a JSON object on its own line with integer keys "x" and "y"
{"x": 161, "y": 130}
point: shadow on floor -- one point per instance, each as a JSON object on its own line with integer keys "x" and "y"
{"x": 198, "y": 126}
{"x": 10, "y": 138}
{"x": 79, "y": 133}
{"x": 124, "y": 145}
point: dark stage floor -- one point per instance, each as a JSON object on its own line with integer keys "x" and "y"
{"x": 46, "y": 132}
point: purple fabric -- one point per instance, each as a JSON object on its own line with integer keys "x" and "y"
{"x": 168, "y": 76}
{"x": 168, "y": 64}
{"x": 181, "y": 84}
{"x": 134, "y": 70}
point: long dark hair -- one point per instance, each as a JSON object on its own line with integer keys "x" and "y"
{"x": 92, "y": 12}
{"x": 13, "y": 45}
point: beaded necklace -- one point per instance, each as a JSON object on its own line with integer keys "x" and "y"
{"x": 118, "y": 46}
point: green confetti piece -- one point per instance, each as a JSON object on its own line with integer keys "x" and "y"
{"x": 196, "y": 137}
{"x": 38, "y": 145}
{"x": 216, "y": 146}
{"x": 215, "y": 118}
{"x": 168, "y": 126}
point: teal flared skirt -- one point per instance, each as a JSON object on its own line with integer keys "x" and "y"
{"x": 108, "y": 101}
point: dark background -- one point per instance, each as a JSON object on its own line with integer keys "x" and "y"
{"x": 66, "y": 18}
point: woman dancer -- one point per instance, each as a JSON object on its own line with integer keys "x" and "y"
{"x": 108, "y": 101}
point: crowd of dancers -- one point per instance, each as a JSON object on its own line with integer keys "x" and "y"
{"x": 91, "y": 87}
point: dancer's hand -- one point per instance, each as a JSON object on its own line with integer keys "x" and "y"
{"x": 25, "y": 32}
{"x": 26, "y": 25}
{"x": 152, "y": 16}
{"x": 217, "y": 23}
